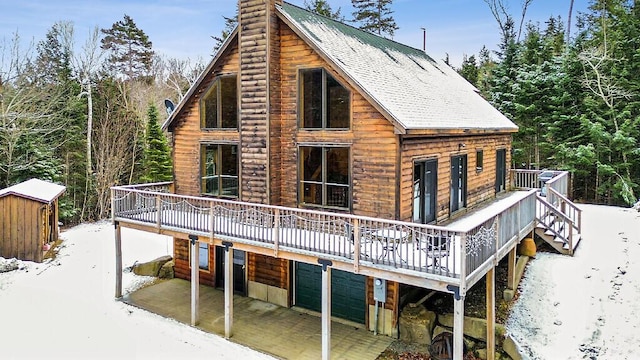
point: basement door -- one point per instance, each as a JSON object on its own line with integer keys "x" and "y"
{"x": 239, "y": 262}
{"x": 348, "y": 292}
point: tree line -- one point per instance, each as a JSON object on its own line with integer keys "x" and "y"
{"x": 576, "y": 99}
{"x": 87, "y": 117}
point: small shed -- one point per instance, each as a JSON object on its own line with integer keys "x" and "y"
{"x": 29, "y": 219}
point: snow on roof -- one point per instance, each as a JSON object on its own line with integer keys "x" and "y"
{"x": 416, "y": 90}
{"x": 35, "y": 189}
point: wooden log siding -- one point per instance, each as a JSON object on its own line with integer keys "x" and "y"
{"x": 392, "y": 300}
{"x": 182, "y": 268}
{"x": 188, "y": 135}
{"x": 257, "y": 18}
{"x": 374, "y": 146}
{"x": 275, "y": 109}
{"x": 480, "y": 185}
{"x": 268, "y": 270}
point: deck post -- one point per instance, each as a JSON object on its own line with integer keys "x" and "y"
{"x": 511, "y": 269}
{"x": 159, "y": 210}
{"x": 195, "y": 279}
{"x": 228, "y": 289}
{"x": 491, "y": 314}
{"x": 326, "y": 308}
{"x": 118, "y": 259}
{"x": 458, "y": 326}
{"x": 356, "y": 246}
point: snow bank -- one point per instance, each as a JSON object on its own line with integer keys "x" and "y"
{"x": 12, "y": 264}
{"x": 584, "y": 306}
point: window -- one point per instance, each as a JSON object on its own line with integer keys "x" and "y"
{"x": 479, "y": 160}
{"x": 203, "y": 256}
{"x": 324, "y": 102}
{"x": 324, "y": 176}
{"x": 219, "y": 169}
{"x": 219, "y": 106}
{"x": 425, "y": 191}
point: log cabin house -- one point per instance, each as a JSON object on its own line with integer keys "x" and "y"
{"x": 312, "y": 159}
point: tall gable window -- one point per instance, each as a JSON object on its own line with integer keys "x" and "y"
{"x": 324, "y": 102}
{"x": 324, "y": 176}
{"x": 219, "y": 169}
{"x": 219, "y": 105}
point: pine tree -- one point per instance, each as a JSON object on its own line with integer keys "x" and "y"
{"x": 322, "y": 7}
{"x": 469, "y": 69}
{"x": 230, "y": 24}
{"x": 130, "y": 50}
{"x": 157, "y": 155}
{"x": 375, "y": 16}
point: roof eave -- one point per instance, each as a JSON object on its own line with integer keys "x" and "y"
{"x": 223, "y": 48}
{"x": 40, "y": 200}
{"x": 459, "y": 131}
{"x": 399, "y": 128}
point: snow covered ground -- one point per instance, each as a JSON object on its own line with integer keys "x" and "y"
{"x": 586, "y": 306}
{"x": 577, "y": 307}
{"x": 65, "y": 308}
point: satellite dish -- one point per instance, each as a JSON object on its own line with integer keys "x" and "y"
{"x": 169, "y": 105}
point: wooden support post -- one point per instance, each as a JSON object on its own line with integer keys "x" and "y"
{"x": 326, "y": 308}
{"x": 458, "y": 326}
{"x": 228, "y": 289}
{"x": 195, "y": 280}
{"x": 118, "y": 260}
{"x": 356, "y": 245}
{"x": 511, "y": 269}
{"x": 491, "y": 314}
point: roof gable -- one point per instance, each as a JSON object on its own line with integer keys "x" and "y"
{"x": 35, "y": 189}
{"x": 415, "y": 90}
{"x": 203, "y": 76}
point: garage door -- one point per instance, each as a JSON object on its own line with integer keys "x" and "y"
{"x": 347, "y": 292}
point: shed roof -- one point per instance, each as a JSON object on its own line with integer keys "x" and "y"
{"x": 416, "y": 90}
{"x": 35, "y": 189}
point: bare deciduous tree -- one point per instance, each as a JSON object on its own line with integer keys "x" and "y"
{"x": 86, "y": 65}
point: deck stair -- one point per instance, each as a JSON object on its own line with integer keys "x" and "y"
{"x": 559, "y": 222}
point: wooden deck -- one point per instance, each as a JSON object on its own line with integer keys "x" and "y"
{"x": 392, "y": 250}
{"x": 448, "y": 259}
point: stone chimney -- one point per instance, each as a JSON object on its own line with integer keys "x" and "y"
{"x": 259, "y": 96}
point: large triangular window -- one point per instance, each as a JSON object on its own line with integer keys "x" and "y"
{"x": 219, "y": 105}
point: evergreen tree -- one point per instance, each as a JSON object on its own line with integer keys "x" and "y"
{"x": 130, "y": 52}
{"x": 322, "y": 7}
{"x": 611, "y": 119}
{"x": 469, "y": 69}
{"x": 157, "y": 155}
{"x": 485, "y": 68}
{"x": 230, "y": 24}
{"x": 375, "y": 16}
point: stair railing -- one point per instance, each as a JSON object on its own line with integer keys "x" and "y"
{"x": 548, "y": 215}
{"x": 568, "y": 208}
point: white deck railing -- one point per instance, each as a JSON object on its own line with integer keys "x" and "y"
{"x": 386, "y": 244}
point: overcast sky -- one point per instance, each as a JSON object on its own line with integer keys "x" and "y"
{"x": 184, "y": 28}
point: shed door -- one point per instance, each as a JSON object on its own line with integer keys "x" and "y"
{"x": 348, "y": 294}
